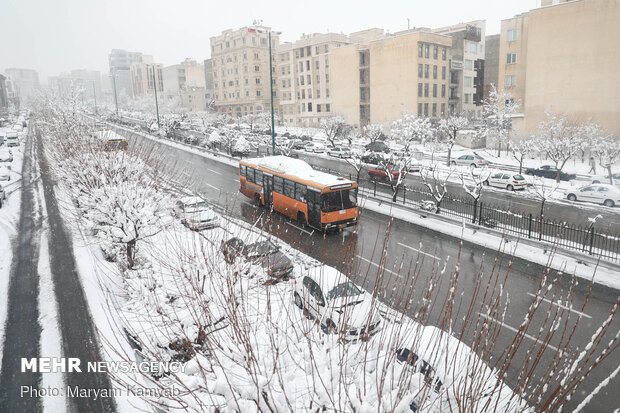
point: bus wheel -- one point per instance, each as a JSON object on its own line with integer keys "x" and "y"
{"x": 301, "y": 219}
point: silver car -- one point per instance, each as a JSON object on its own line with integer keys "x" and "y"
{"x": 472, "y": 160}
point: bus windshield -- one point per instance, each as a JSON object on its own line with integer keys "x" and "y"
{"x": 339, "y": 200}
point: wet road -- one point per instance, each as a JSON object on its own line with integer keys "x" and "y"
{"x": 409, "y": 245}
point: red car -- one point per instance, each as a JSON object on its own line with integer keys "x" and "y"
{"x": 380, "y": 173}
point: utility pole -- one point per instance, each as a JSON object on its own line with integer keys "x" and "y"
{"x": 156, "y": 103}
{"x": 115, "y": 97}
{"x": 95, "y": 96}
{"x": 273, "y": 130}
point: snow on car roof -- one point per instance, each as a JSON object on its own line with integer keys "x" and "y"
{"x": 299, "y": 169}
{"x": 189, "y": 200}
{"x": 327, "y": 277}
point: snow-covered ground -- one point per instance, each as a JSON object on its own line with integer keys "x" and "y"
{"x": 9, "y": 219}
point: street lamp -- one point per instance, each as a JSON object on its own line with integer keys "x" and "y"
{"x": 273, "y": 130}
{"x": 95, "y": 96}
{"x": 113, "y": 76}
{"x": 156, "y": 103}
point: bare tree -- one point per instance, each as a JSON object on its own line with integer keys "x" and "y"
{"x": 396, "y": 170}
{"x": 410, "y": 129}
{"x": 498, "y": 109}
{"x": 355, "y": 160}
{"x": 559, "y": 140}
{"x": 450, "y": 128}
{"x": 542, "y": 190}
{"x": 474, "y": 186}
{"x": 373, "y": 133}
{"x": 437, "y": 185}
{"x": 522, "y": 149}
{"x": 335, "y": 127}
{"x": 607, "y": 150}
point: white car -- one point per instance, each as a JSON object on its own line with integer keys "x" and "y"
{"x": 605, "y": 194}
{"x": 339, "y": 305}
{"x": 196, "y": 214}
{"x": 605, "y": 179}
{"x": 339, "y": 152}
{"x": 5, "y": 174}
{"x": 472, "y": 160}
{"x": 318, "y": 147}
{"x": 507, "y": 180}
{"x": 12, "y": 139}
{"x": 18, "y": 127}
{"x": 6, "y": 155}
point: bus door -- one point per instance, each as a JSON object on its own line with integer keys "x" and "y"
{"x": 268, "y": 188}
{"x": 314, "y": 208}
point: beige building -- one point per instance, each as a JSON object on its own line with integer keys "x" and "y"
{"x": 193, "y": 98}
{"x": 25, "y": 83}
{"x": 241, "y": 69}
{"x": 187, "y": 74}
{"x": 563, "y": 57}
{"x": 303, "y": 78}
{"x": 382, "y": 77}
{"x": 145, "y": 76}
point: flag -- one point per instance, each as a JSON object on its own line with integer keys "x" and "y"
{"x": 251, "y": 30}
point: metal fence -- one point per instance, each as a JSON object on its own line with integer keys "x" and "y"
{"x": 586, "y": 239}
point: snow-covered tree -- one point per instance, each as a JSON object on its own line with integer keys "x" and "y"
{"x": 436, "y": 184}
{"x": 473, "y": 186}
{"x": 214, "y": 139}
{"x": 335, "y": 127}
{"x": 498, "y": 110}
{"x": 450, "y": 128}
{"x": 373, "y": 132}
{"x": 410, "y": 129}
{"x": 242, "y": 146}
{"x": 522, "y": 149}
{"x": 396, "y": 170}
{"x": 560, "y": 140}
{"x": 355, "y": 160}
{"x": 607, "y": 150}
{"x": 543, "y": 190}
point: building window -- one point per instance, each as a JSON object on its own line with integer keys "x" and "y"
{"x": 309, "y": 79}
{"x": 512, "y": 35}
{"x": 468, "y": 81}
{"x": 434, "y": 109}
{"x": 420, "y": 86}
{"x": 426, "y": 90}
{"x": 511, "y": 58}
{"x": 256, "y": 56}
{"x": 303, "y": 106}
{"x": 303, "y": 93}
{"x": 472, "y": 47}
{"x": 257, "y": 68}
{"x": 309, "y": 93}
{"x": 258, "y": 80}
{"x": 427, "y": 49}
{"x": 258, "y": 93}
{"x": 426, "y": 71}
{"x": 426, "y": 109}
{"x": 308, "y": 64}
{"x": 443, "y": 109}
{"x": 467, "y": 98}
{"x": 316, "y": 49}
{"x": 328, "y": 107}
{"x": 435, "y": 52}
{"x": 301, "y": 66}
{"x": 420, "y": 48}
{"x": 443, "y": 73}
{"x": 327, "y": 95}
{"x": 443, "y": 91}
{"x": 510, "y": 81}
{"x": 301, "y": 52}
{"x": 434, "y": 90}
{"x": 468, "y": 64}
{"x": 301, "y": 80}
{"x": 434, "y": 71}
{"x": 420, "y": 70}
{"x": 318, "y": 93}
{"x": 318, "y": 106}
{"x": 318, "y": 79}
{"x": 309, "y": 106}
{"x": 317, "y": 63}
{"x": 443, "y": 53}
{"x": 326, "y": 77}
{"x": 420, "y": 113}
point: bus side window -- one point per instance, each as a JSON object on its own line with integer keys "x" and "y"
{"x": 250, "y": 174}
{"x": 289, "y": 188}
{"x": 258, "y": 178}
{"x": 278, "y": 184}
{"x": 242, "y": 170}
{"x": 300, "y": 192}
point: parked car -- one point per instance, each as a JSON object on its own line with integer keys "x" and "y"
{"x": 507, "y": 180}
{"x": 377, "y": 146}
{"x": 605, "y": 194}
{"x": 549, "y": 171}
{"x": 196, "y": 214}
{"x": 381, "y": 173}
{"x": 6, "y": 155}
{"x": 339, "y": 152}
{"x": 340, "y": 306}
{"x": 373, "y": 158}
{"x": 5, "y": 174}
{"x": 472, "y": 160}
{"x": 291, "y": 153}
{"x": 18, "y": 127}
{"x": 298, "y": 144}
{"x": 605, "y": 179}
{"x": 318, "y": 147}
{"x": 12, "y": 139}
{"x": 264, "y": 253}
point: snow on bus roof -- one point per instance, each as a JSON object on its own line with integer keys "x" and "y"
{"x": 298, "y": 168}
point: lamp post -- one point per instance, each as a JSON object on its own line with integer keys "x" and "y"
{"x": 273, "y": 129}
{"x": 95, "y": 96}
{"x": 156, "y": 103}
{"x": 115, "y": 96}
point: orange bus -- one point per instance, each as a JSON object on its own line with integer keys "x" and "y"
{"x": 317, "y": 199}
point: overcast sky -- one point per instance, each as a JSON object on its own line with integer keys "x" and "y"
{"x": 53, "y": 36}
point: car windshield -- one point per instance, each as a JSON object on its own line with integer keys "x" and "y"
{"x": 339, "y": 200}
{"x": 518, "y": 178}
{"x": 346, "y": 289}
{"x": 479, "y": 157}
{"x": 198, "y": 206}
{"x": 261, "y": 248}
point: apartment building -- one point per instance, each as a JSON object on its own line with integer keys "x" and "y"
{"x": 25, "y": 82}
{"x": 146, "y": 76}
{"x": 120, "y": 62}
{"x": 187, "y": 74}
{"x": 4, "y": 96}
{"x": 491, "y": 63}
{"x": 466, "y": 67}
{"x": 209, "y": 91}
{"x": 379, "y": 77}
{"x": 241, "y": 69}
{"x": 303, "y": 84}
{"x": 563, "y": 57}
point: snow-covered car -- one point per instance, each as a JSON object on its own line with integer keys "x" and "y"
{"x": 5, "y": 174}
{"x": 605, "y": 179}
{"x": 605, "y": 194}
{"x": 12, "y": 139}
{"x": 318, "y": 147}
{"x": 6, "y": 155}
{"x": 507, "y": 180}
{"x": 196, "y": 214}
{"x": 18, "y": 127}
{"x": 264, "y": 253}
{"x": 339, "y": 152}
{"x": 340, "y": 306}
{"x": 472, "y": 160}
{"x": 550, "y": 172}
